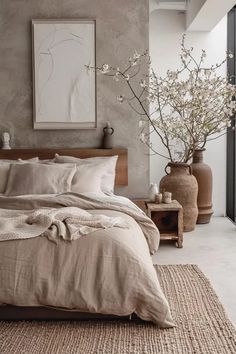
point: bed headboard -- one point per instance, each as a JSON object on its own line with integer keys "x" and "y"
{"x": 121, "y": 167}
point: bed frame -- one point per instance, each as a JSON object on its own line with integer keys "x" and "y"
{"x": 14, "y": 313}
{"x": 17, "y": 313}
{"x": 121, "y": 167}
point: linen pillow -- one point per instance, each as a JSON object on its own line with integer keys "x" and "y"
{"x": 104, "y": 165}
{"x": 87, "y": 178}
{"x": 35, "y": 178}
{"x": 4, "y": 170}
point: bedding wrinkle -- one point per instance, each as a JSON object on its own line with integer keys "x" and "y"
{"x": 69, "y": 223}
{"x": 108, "y": 271}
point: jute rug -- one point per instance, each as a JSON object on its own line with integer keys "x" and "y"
{"x": 202, "y": 326}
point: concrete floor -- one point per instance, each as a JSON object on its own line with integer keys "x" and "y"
{"x": 213, "y": 248}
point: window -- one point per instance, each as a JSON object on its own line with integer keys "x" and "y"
{"x": 231, "y": 139}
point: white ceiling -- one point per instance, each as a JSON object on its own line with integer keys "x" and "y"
{"x": 201, "y": 15}
{"x": 168, "y": 5}
{"x": 169, "y": 1}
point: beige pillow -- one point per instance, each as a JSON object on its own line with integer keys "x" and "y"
{"x": 87, "y": 178}
{"x": 34, "y": 178}
{"x": 104, "y": 165}
{"x": 4, "y": 170}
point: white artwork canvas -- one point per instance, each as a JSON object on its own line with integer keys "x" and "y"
{"x": 64, "y": 90}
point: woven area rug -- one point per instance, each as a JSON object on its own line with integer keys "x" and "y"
{"x": 202, "y": 326}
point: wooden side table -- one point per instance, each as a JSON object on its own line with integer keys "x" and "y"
{"x": 141, "y": 203}
{"x": 169, "y": 220}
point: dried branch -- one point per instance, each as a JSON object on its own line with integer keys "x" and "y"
{"x": 189, "y": 105}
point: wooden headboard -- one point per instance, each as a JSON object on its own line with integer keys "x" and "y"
{"x": 121, "y": 167}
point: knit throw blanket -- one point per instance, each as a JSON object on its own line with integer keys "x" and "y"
{"x": 69, "y": 223}
{"x": 23, "y": 206}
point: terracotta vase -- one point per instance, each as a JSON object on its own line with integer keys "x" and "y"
{"x": 203, "y": 174}
{"x": 184, "y": 188}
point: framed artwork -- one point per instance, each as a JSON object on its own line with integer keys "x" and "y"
{"x": 64, "y": 94}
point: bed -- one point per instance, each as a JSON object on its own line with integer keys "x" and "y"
{"x": 75, "y": 254}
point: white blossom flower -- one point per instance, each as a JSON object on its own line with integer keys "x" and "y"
{"x": 193, "y": 98}
{"x": 143, "y": 83}
{"x": 121, "y": 98}
{"x": 232, "y": 104}
{"x": 143, "y": 138}
{"x": 136, "y": 55}
{"x": 105, "y": 69}
{"x": 132, "y": 61}
{"x": 173, "y": 75}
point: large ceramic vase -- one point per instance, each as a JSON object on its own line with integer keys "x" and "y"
{"x": 203, "y": 174}
{"x": 184, "y": 188}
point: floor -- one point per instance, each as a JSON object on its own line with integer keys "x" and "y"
{"x": 213, "y": 248}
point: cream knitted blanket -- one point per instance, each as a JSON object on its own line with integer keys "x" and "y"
{"x": 69, "y": 223}
{"x": 86, "y": 203}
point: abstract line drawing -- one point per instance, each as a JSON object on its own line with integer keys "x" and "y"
{"x": 64, "y": 90}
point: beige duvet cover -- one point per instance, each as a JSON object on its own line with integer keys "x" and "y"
{"x": 108, "y": 271}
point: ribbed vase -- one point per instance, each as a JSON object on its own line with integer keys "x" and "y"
{"x": 203, "y": 175}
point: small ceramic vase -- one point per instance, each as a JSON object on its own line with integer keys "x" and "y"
{"x": 6, "y": 141}
{"x": 153, "y": 190}
{"x": 108, "y": 132}
{"x": 158, "y": 198}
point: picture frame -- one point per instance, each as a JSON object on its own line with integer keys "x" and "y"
{"x": 64, "y": 90}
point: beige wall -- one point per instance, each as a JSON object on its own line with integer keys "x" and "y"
{"x": 122, "y": 26}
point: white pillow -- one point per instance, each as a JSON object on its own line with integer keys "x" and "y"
{"x": 35, "y": 178}
{"x": 104, "y": 166}
{"x": 4, "y": 170}
{"x": 87, "y": 178}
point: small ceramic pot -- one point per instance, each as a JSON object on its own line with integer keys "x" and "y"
{"x": 167, "y": 197}
{"x": 158, "y": 198}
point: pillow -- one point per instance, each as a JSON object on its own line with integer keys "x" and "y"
{"x": 4, "y": 170}
{"x": 87, "y": 178}
{"x": 33, "y": 159}
{"x": 105, "y": 165}
{"x": 34, "y": 178}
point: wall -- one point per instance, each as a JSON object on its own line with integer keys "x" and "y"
{"x": 166, "y": 29}
{"x": 204, "y": 15}
{"x": 193, "y": 7}
{"x": 121, "y": 27}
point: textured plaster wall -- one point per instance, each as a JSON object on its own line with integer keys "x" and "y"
{"x": 122, "y": 26}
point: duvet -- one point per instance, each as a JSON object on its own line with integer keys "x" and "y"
{"x": 108, "y": 270}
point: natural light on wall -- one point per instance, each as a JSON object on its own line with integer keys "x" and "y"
{"x": 166, "y": 29}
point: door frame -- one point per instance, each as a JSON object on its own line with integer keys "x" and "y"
{"x": 231, "y": 139}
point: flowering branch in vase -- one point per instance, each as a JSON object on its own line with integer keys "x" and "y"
{"x": 185, "y": 109}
